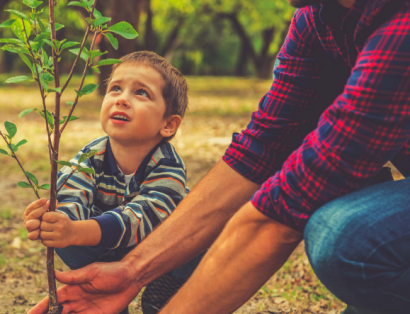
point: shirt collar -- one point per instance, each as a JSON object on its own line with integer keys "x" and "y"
{"x": 139, "y": 174}
{"x": 332, "y": 13}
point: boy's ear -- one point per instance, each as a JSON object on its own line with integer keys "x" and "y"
{"x": 172, "y": 124}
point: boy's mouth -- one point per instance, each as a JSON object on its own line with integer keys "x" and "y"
{"x": 120, "y": 116}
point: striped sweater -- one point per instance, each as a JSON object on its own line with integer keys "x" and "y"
{"x": 126, "y": 214}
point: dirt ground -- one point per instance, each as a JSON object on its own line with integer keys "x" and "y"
{"x": 219, "y": 107}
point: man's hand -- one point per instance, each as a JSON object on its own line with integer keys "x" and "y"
{"x": 100, "y": 288}
{"x": 32, "y": 217}
{"x": 57, "y": 230}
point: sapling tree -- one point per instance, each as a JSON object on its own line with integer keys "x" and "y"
{"x": 37, "y": 45}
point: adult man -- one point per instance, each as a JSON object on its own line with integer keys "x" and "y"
{"x": 345, "y": 64}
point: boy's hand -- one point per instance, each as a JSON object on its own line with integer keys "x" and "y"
{"x": 32, "y": 217}
{"x": 57, "y": 230}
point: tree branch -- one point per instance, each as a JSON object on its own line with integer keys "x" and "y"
{"x": 43, "y": 97}
{"x": 87, "y": 32}
{"x": 65, "y": 180}
{"x": 18, "y": 161}
{"x": 81, "y": 85}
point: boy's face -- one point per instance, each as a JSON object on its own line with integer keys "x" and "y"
{"x": 133, "y": 107}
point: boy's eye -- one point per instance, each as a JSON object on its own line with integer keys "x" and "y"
{"x": 116, "y": 88}
{"x": 142, "y": 92}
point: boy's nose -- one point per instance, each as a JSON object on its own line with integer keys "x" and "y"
{"x": 121, "y": 103}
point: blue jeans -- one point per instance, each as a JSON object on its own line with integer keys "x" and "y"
{"x": 359, "y": 247}
{"x": 77, "y": 257}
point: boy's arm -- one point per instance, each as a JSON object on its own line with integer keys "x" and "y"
{"x": 160, "y": 193}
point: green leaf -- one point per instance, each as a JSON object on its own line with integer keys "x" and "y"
{"x": 87, "y": 155}
{"x": 86, "y": 170}
{"x": 32, "y": 177}
{"x": 10, "y": 128}
{"x": 51, "y": 44}
{"x": 69, "y": 44}
{"x": 7, "y": 23}
{"x": 58, "y": 26}
{"x": 124, "y": 29}
{"x": 70, "y": 103}
{"x": 95, "y": 53}
{"x": 13, "y": 41}
{"x": 54, "y": 90}
{"x": 72, "y": 118}
{"x": 101, "y": 21}
{"x": 18, "y": 29}
{"x": 19, "y": 14}
{"x": 2, "y": 151}
{"x": 22, "y": 142}
{"x": 84, "y": 53}
{"x": 50, "y": 119}
{"x": 39, "y": 39}
{"x": 42, "y": 27}
{"x": 90, "y": 21}
{"x": 16, "y": 79}
{"x": 108, "y": 62}
{"x": 113, "y": 41}
{"x": 95, "y": 69}
{"x": 15, "y": 49}
{"x": 77, "y": 4}
{"x": 58, "y": 43}
{"x": 45, "y": 187}
{"x": 64, "y": 163}
{"x": 45, "y": 79}
{"x": 26, "y": 60}
{"x": 88, "y": 89}
{"x": 32, "y": 3}
{"x": 97, "y": 14}
{"x": 26, "y": 112}
{"x": 24, "y": 185}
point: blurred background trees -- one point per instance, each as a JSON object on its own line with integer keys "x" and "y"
{"x": 199, "y": 37}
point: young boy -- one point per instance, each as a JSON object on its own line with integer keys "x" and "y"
{"x": 139, "y": 178}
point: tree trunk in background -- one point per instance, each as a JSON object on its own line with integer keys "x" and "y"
{"x": 171, "y": 40}
{"x": 119, "y": 10}
{"x": 149, "y": 40}
{"x": 241, "y": 65}
{"x": 7, "y": 57}
{"x": 262, "y": 62}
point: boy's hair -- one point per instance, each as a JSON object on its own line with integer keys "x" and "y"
{"x": 175, "y": 89}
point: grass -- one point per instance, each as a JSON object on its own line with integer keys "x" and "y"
{"x": 219, "y": 106}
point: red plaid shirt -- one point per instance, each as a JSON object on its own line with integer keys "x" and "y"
{"x": 337, "y": 111}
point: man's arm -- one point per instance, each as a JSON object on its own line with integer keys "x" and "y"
{"x": 250, "y": 249}
{"x": 193, "y": 226}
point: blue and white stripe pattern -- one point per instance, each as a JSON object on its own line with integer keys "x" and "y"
{"x": 126, "y": 214}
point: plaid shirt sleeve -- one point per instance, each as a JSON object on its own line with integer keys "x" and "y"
{"x": 364, "y": 127}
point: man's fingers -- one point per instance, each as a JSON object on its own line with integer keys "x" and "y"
{"x": 34, "y": 235}
{"x": 40, "y": 308}
{"x": 78, "y": 276}
{"x": 32, "y": 224}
